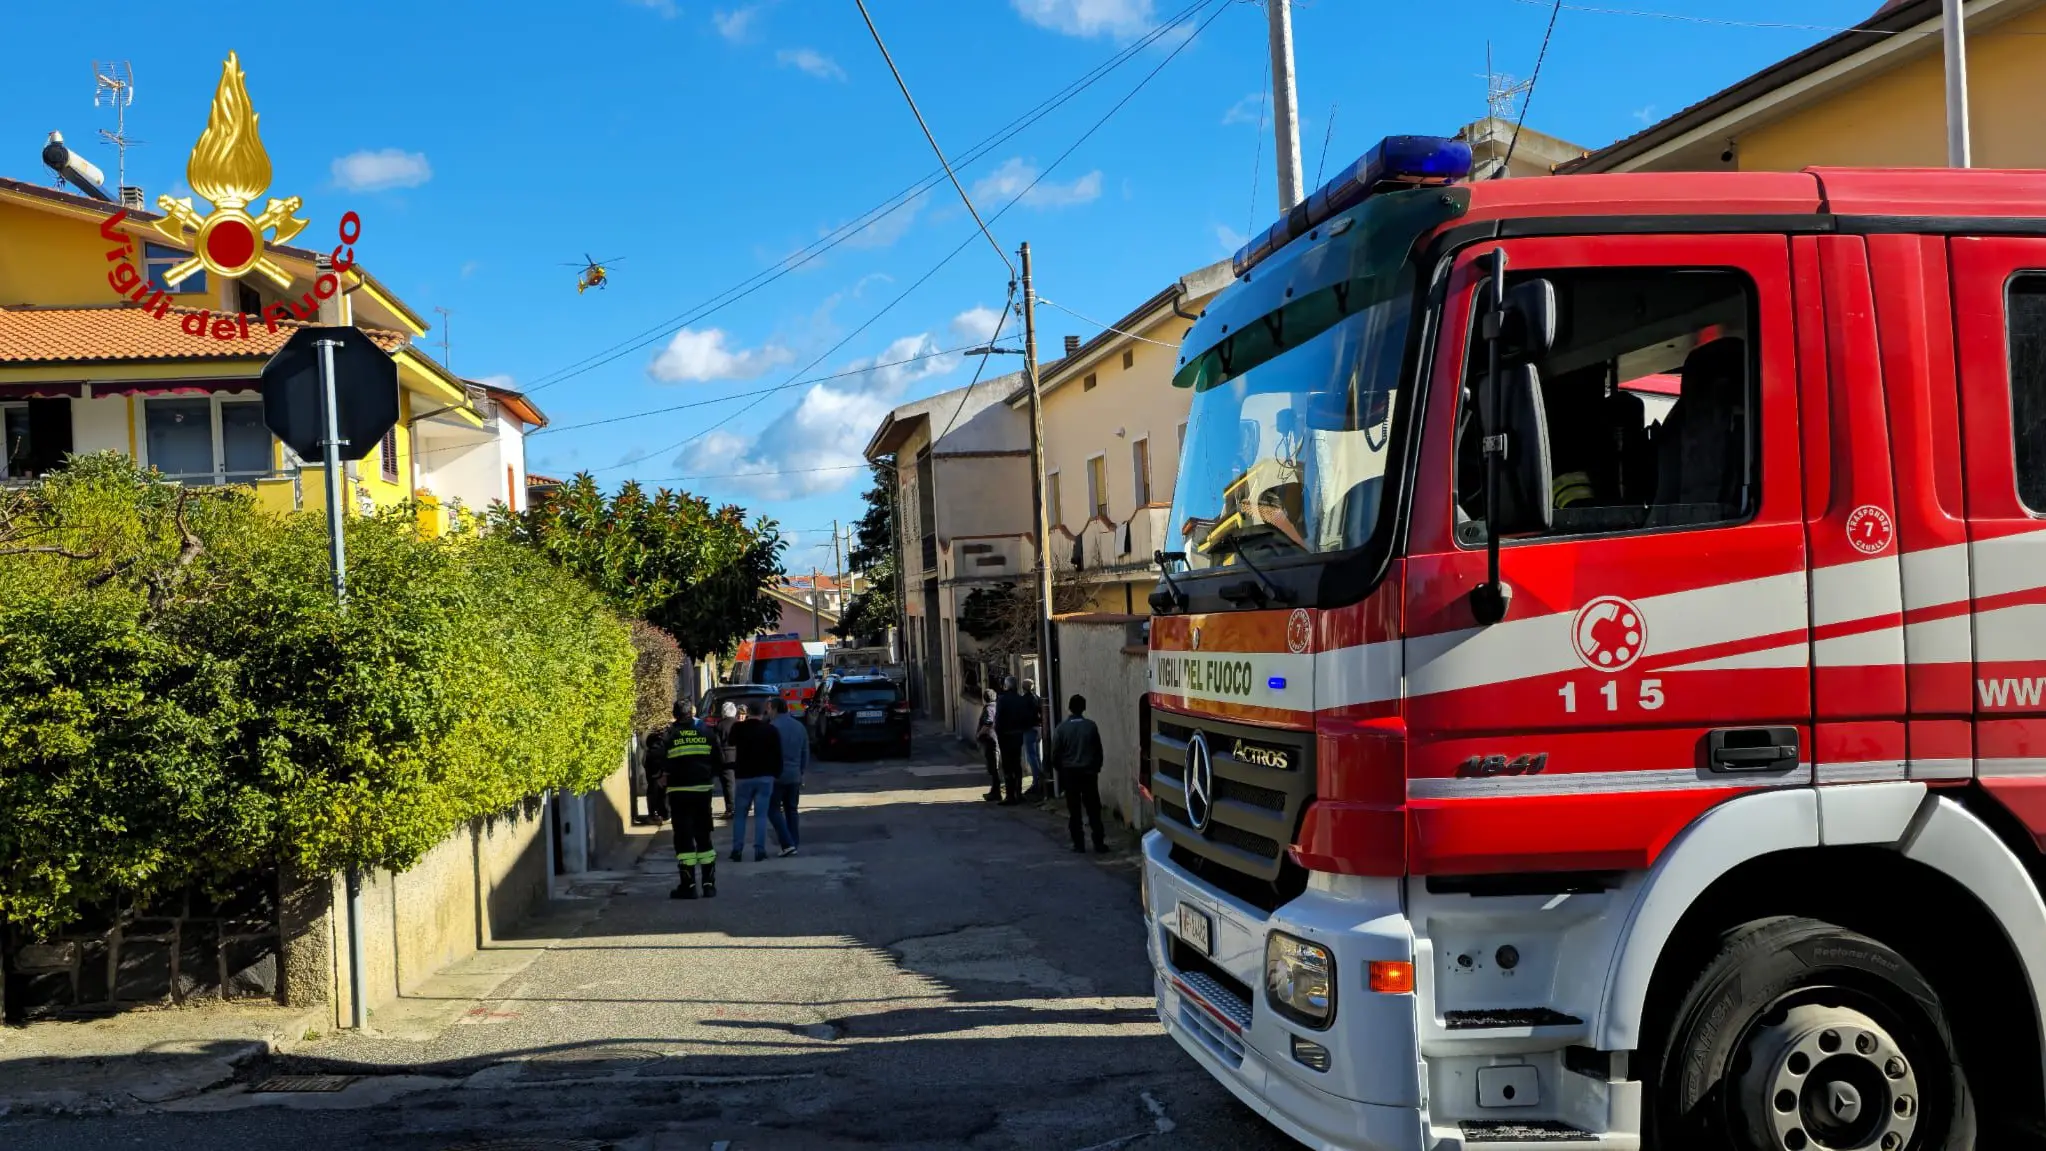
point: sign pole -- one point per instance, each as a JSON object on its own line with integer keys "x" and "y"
{"x": 330, "y": 444}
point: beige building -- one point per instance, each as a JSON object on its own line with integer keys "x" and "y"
{"x": 1525, "y": 152}
{"x": 962, "y": 516}
{"x": 1113, "y": 426}
{"x": 1874, "y": 95}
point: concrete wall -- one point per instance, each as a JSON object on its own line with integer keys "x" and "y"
{"x": 1097, "y": 660}
{"x": 470, "y": 890}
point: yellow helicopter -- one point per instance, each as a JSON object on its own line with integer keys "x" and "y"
{"x": 594, "y": 274}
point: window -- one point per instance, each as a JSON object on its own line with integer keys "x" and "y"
{"x": 1054, "y": 511}
{"x": 1140, "y": 468}
{"x": 1097, "y": 487}
{"x": 207, "y": 439}
{"x": 158, "y": 259}
{"x": 387, "y": 454}
{"x": 781, "y": 669}
{"x": 2027, "y": 318}
{"x": 1087, "y": 385}
{"x": 1129, "y": 358}
{"x": 15, "y": 461}
{"x": 1649, "y": 394}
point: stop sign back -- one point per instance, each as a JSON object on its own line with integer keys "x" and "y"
{"x": 365, "y": 392}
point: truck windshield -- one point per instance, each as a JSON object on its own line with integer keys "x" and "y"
{"x": 1288, "y": 458}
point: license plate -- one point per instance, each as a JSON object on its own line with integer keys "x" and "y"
{"x": 1196, "y": 928}
{"x": 871, "y": 715}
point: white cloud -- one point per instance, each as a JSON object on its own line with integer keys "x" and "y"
{"x": 368, "y": 171}
{"x": 976, "y": 325}
{"x": 1249, "y": 110}
{"x": 665, "y": 7}
{"x": 500, "y": 380}
{"x": 695, "y": 356}
{"x": 632, "y": 456}
{"x": 827, "y": 428}
{"x": 1015, "y": 174}
{"x": 1230, "y": 238}
{"x": 469, "y": 268}
{"x": 812, "y": 61}
{"x": 883, "y": 231}
{"x": 736, "y": 25}
{"x": 1119, "y": 18}
{"x": 1645, "y": 114}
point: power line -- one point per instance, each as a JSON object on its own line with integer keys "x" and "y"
{"x": 1102, "y": 326}
{"x": 1686, "y": 18}
{"x": 947, "y": 258}
{"x": 844, "y": 232}
{"x": 921, "y": 123}
{"x": 1533, "y": 79}
{"x": 980, "y": 367}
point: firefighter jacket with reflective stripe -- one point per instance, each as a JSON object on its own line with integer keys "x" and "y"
{"x": 690, "y": 756}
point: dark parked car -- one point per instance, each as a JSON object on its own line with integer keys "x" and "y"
{"x": 859, "y": 711}
{"x": 753, "y": 695}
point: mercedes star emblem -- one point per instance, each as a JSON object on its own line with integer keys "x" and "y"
{"x": 1200, "y": 782}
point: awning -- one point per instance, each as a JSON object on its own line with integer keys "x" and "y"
{"x": 173, "y": 387}
{"x": 41, "y": 391}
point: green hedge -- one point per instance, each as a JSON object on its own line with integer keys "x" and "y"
{"x": 182, "y": 699}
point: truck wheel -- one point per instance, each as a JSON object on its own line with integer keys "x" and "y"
{"x": 1802, "y": 1036}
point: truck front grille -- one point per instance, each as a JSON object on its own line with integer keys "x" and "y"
{"x": 1254, "y": 803}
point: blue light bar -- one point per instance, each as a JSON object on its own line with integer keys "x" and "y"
{"x": 1395, "y": 162}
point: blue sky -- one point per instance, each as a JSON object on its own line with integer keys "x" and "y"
{"x": 486, "y": 143}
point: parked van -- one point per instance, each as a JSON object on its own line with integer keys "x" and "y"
{"x": 779, "y": 661}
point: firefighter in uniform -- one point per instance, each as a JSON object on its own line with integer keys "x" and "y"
{"x": 690, "y": 757}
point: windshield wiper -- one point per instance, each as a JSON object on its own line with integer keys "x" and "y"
{"x": 1263, "y": 591}
{"x": 1174, "y": 598}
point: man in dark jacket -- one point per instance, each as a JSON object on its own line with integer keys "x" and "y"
{"x": 1014, "y": 715}
{"x": 756, "y": 761}
{"x": 684, "y": 758}
{"x": 1076, "y": 757}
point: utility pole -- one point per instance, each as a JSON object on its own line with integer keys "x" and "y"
{"x": 1951, "y": 21}
{"x": 838, "y": 569}
{"x": 447, "y": 356}
{"x": 1285, "y": 120}
{"x": 816, "y": 594}
{"x": 1047, "y": 662}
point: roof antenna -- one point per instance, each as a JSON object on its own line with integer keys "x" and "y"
{"x": 114, "y": 82}
{"x": 1501, "y": 90}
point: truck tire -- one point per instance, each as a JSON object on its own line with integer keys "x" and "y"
{"x": 1802, "y": 1036}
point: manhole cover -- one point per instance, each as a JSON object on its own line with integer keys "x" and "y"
{"x": 533, "y": 1145}
{"x": 281, "y": 1084}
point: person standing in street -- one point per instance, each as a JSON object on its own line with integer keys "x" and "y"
{"x": 788, "y": 786}
{"x": 756, "y": 763}
{"x": 984, "y": 735}
{"x": 1040, "y": 777}
{"x": 1076, "y": 756}
{"x": 1012, "y": 719}
{"x": 728, "y": 718}
{"x": 684, "y": 760}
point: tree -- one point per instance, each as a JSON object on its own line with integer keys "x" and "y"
{"x": 700, "y": 575}
{"x": 876, "y": 608}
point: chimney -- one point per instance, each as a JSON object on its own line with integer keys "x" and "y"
{"x": 1072, "y": 345}
{"x": 131, "y": 197}
{"x": 330, "y": 308}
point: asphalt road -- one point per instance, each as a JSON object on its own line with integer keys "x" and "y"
{"x": 930, "y": 972}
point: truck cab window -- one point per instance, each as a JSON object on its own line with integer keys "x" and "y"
{"x": 2026, "y": 309}
{"x": 1649, "y": 392}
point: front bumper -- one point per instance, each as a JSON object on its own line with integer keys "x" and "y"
{"x": 1370, "y": 1098}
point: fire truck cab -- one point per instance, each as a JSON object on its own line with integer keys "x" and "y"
{"x": 1601, "y": 698}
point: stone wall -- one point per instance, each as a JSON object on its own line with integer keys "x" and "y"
{"x": 186, "y": 948}
{"x": 1103, "y": 657}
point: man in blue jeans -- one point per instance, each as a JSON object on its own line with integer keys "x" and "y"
{"x": 755, "y": 763}
{"x": 788, "y": 786}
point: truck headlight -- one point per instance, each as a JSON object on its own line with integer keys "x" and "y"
{"x": 1300, "y": 980}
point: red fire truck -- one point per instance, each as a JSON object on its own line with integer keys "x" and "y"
{"x": 1600, "y": 700}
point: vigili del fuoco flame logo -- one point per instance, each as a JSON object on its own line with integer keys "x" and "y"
{"x": 228, "y": 167}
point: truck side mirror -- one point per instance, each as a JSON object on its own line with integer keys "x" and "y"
{"x": 1526, "y": 480}
{"x": 1527, "y": 323}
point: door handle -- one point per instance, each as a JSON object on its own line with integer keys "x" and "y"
{"x": 1751, "y": 748}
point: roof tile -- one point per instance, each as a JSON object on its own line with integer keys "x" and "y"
{"x": 116, "y": 332}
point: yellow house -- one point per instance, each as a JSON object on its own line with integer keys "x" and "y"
{"x": 1874, "y": 95}
{"x": 1113, "y": 427}
{"x": 85, "y": 368}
